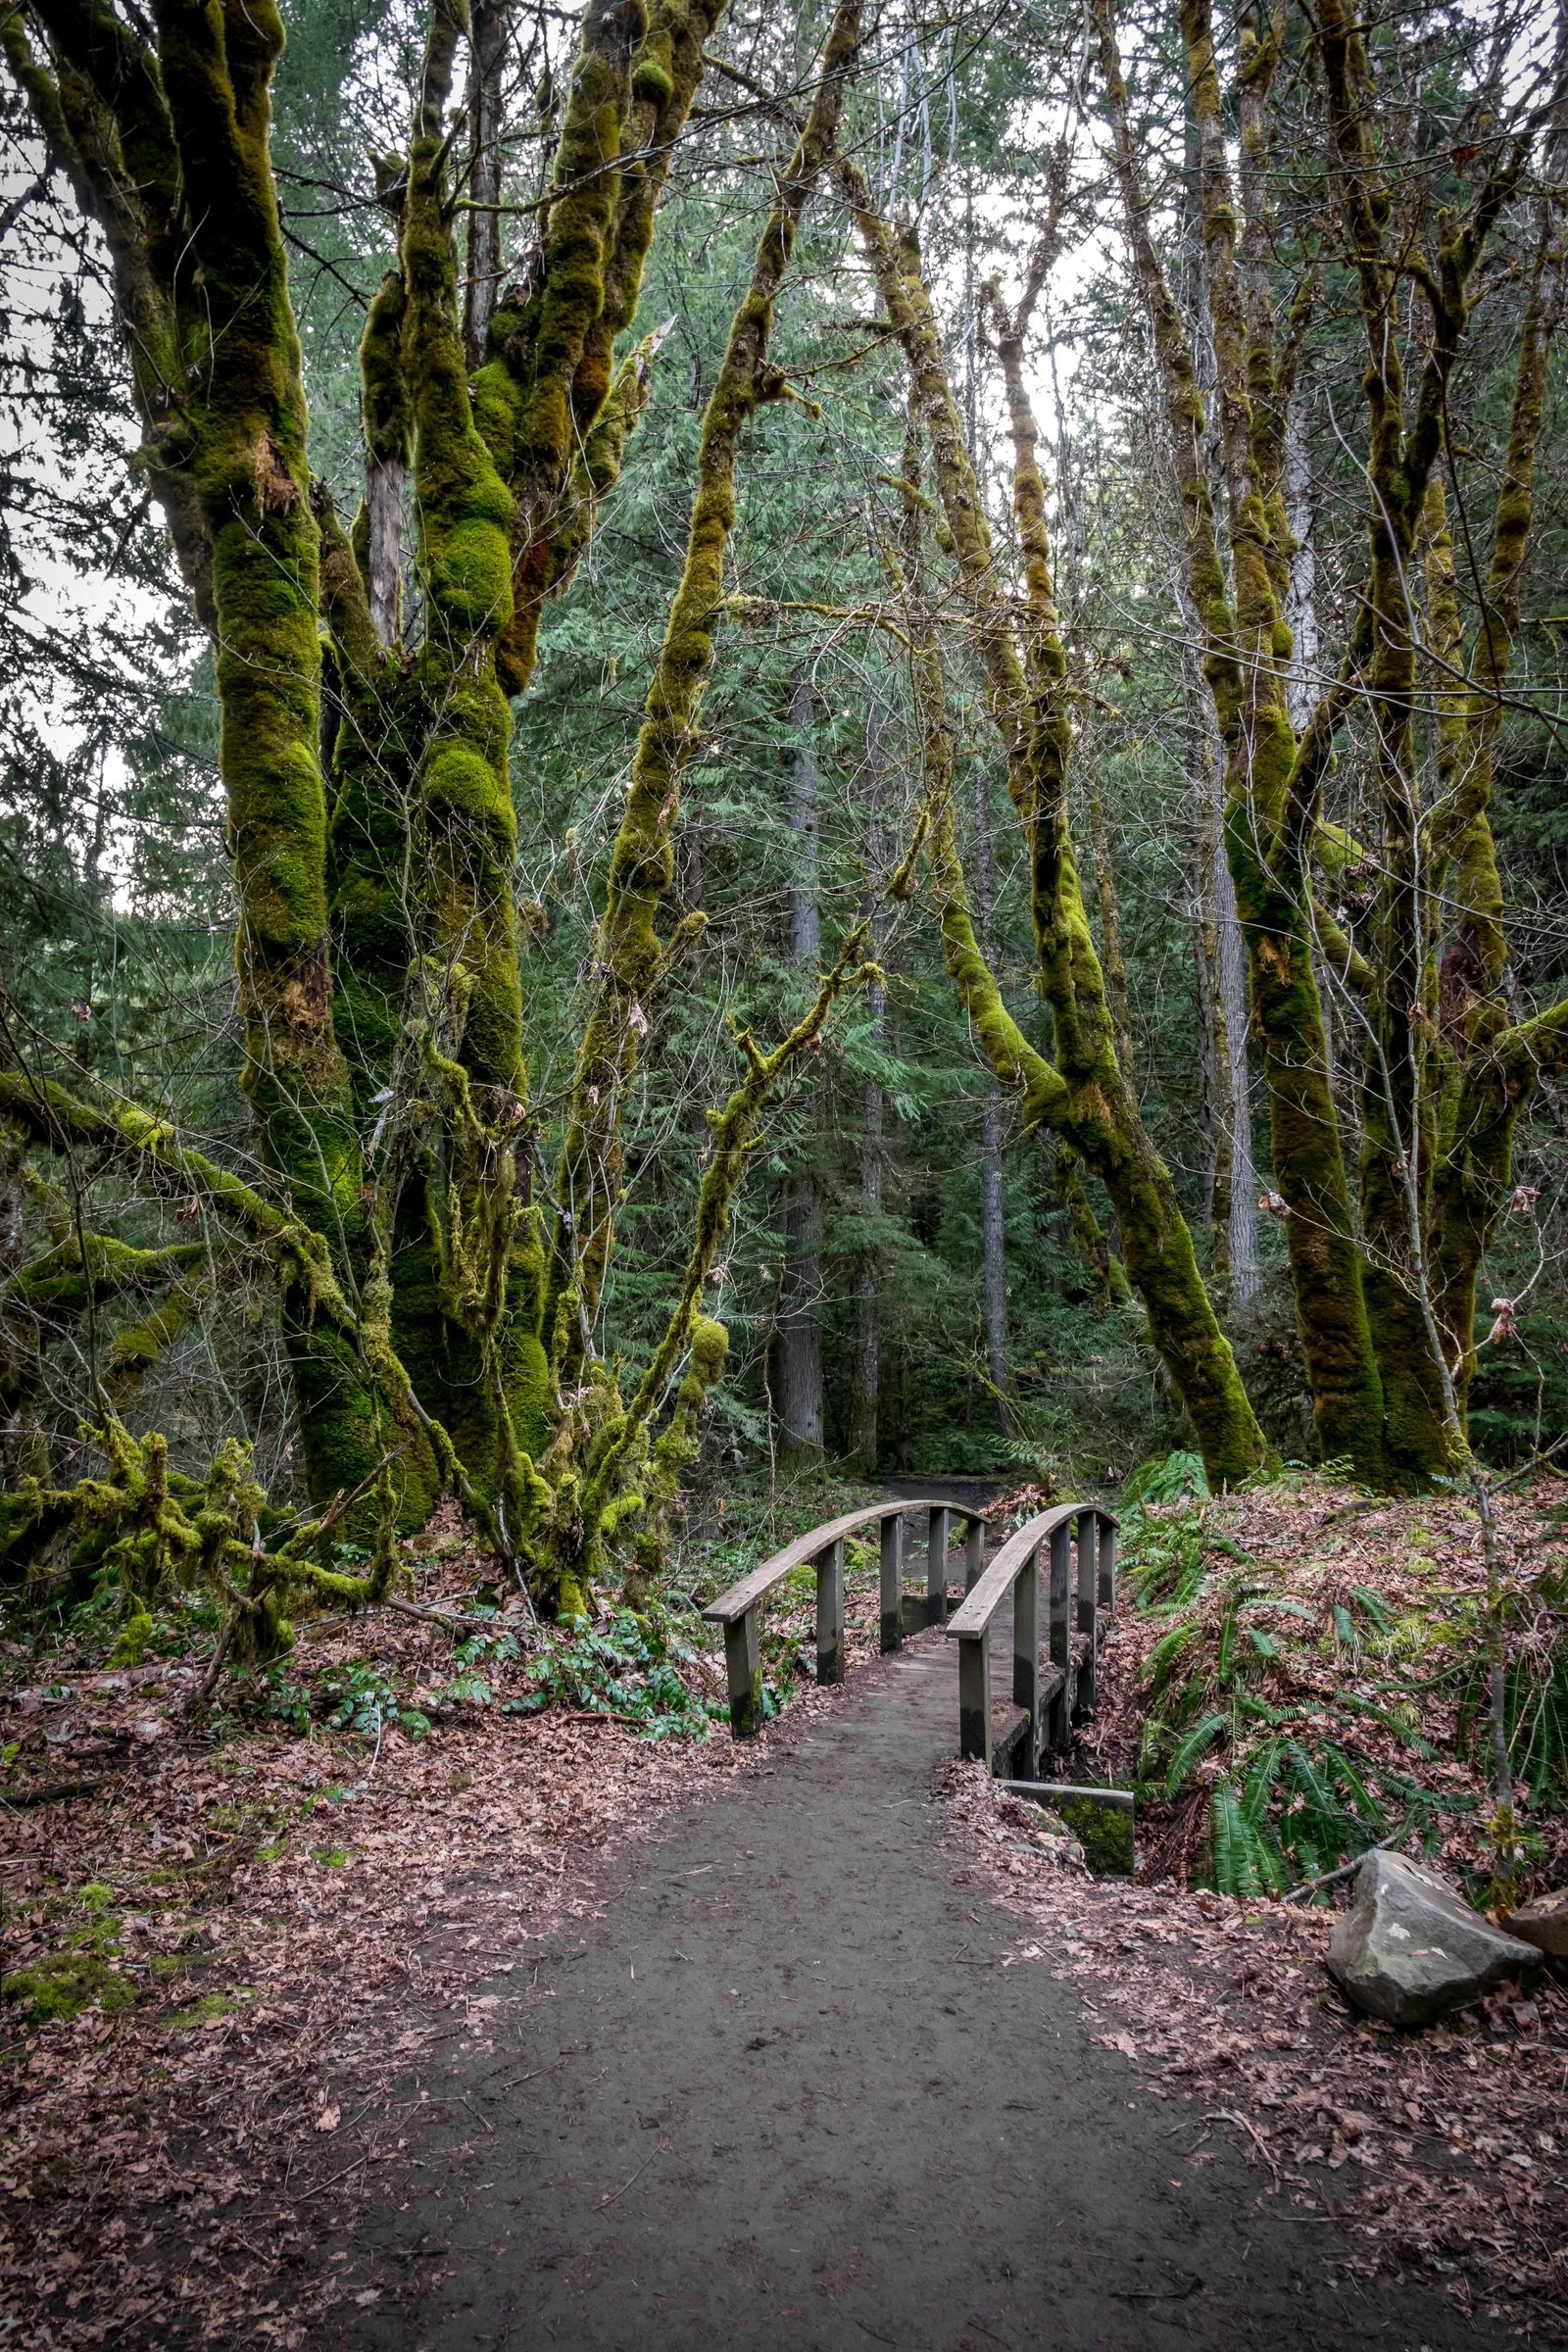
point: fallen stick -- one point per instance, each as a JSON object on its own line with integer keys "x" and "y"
{"x": 57, "y": 1794}
{"x": 1332, "y": 1878}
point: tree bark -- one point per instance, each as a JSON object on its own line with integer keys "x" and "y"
{"x": 866, "y": 1369}
{"x": 993, "y": 1199}
{"x": 487, "y": 59}
{"x": 800, "y": 1319}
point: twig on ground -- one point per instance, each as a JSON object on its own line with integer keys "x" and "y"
{"x": 625, "y": 2185}
{"x": 58, "y": 1793}
{"x": 1230, "y": 2115}
{"x": 1331, "y": 1878}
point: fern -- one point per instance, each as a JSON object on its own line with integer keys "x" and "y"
{"x": 1227, "y": 1642}
{"x": 1168, "y": 1478}
{"x": 1190, "y": 1748}
{"x": 1243, "y": 1860}
{"x": 1310, "y": 1781}
{"x": 1164, "y": 1654}
{"x": 1291, "y": 1609}
{"x": 1262, "y": 1775}
{"x": 1375, "y": 1608}
{"x": 1390, "y": 1720}
{"x": 1361, "y": 1796}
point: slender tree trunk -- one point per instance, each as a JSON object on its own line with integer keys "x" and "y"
{"x": 487, "y": 52}
{"x": 1222, "y": 970}
{"x": 992, "y": 1200}
{"x": 800, "y": 1320}
{"x": 866, "y": 1370}
{"x": 1302, "y": 686}
{"x": 1223, "y": 949}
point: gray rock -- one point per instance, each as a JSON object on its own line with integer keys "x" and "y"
{"x": 1543, "y": 1923}
{"x": 1410, "y": 1948}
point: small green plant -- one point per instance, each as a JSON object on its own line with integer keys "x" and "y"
{"x": 360, "y": 1700}
{"x": 625, "y": 1668}
{"x": 478, "y": 1656}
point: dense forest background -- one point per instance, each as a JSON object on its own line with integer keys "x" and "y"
{"x": 915, "y": 1271}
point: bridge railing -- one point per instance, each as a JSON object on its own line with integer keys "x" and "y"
{"x": 1048, "y": 1701}
{"x": 739, "y": 1610}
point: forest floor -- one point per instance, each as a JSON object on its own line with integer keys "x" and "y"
{"x": 353, "y": 2031}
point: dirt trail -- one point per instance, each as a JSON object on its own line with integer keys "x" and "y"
{"x": 785, "y": 2094}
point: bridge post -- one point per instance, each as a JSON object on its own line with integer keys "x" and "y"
{"x": 936, "y": 1565}
{"x": 1088, "y": 1575}
{"x": 1108, "y": 1565}
{"x": 830, "y": 1613}
{"x": 892, "y": 1602}
{"x": 974, "y": 1696}
{"x": 1060, "y": 1646}
{"x": 974, "y": 1553}
{"x": 743, "y": 1667}
{"x": 1026, "y": 1650}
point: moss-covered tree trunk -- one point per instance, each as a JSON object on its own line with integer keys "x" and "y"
{"x": 1270, "y": 781}
{"x": 1082, "y": 1095}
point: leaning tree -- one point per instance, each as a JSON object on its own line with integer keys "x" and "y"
{"x": 438, "y": 1275}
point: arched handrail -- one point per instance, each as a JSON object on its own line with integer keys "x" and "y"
{"x": 739, "y": 1609}
{"x": 1047, "y": 1703}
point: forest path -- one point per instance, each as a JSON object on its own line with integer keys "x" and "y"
{"x": 782, "y": 2093}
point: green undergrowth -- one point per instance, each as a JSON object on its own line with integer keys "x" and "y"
{"x": 633, "y": 1666}
{"x": 80, "y": 1973}
{"x": 1290, "y": 1712}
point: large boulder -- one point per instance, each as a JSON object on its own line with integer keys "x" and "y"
{"x": 1410, "y": 1948}
{"x": 1543, "y": 1922}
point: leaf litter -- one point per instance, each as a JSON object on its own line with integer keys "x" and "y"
{"x": 1442, "y": 2154}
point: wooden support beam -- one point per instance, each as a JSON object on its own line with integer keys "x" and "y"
{"x": 742, "y": 1666}
{"x": 974, "y": 1696}
{"x": 938, "y": 1525}
{"x": 974, "y": 1553}
{"x": 1108, "y": 1565}
{"x": 892, "y": 1598}
{"x": 1026, "y": 1650}
{"x": 1087, "y": 1585}
{"x": 1061, "y": 1631}
{"x": 830, "y": 1612}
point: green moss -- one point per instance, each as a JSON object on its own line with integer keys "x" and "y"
{"x": 630, "y": 954}
{"x": 80, "y": 1972}
{"x": 1104, "y": 1832}
{"x": 132, "y": 1647}
{"x": 211, "y": 2008}
{"x": 1085, "y": 1097}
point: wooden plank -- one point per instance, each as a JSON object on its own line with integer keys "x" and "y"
{"x": 742, "y": 1665}
{"x": 980, "y": 1605}
{"x": 830, "y": 1613}
{"x": 759, "y": 1581}
{"x": 974, "y": 1695}
{"x": 1010, "y": 1734}
{"x": 892, "y": 1598}
{"x": 1120, "y": 1798}
{"x": 1088, "y": 1586}
{"x": 974, "y": 1553}
{"x": 938, "y": 1525}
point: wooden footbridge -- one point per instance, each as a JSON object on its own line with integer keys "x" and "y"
{"x": 1048, "y": 1587}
